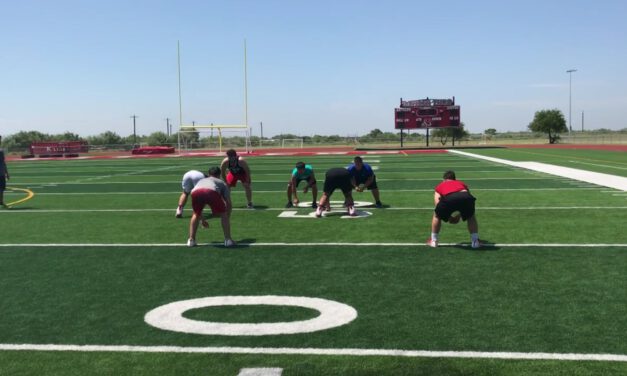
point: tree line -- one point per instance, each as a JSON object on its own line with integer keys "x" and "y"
{"x": 548, "y": 122}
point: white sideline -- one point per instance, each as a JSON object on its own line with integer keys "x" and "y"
{"x": 284, "y": 244}
{"x": 597, "y": 178}
{"x": 319, "y": 351}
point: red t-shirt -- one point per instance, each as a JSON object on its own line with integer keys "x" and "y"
{"x": 450, "y": 186}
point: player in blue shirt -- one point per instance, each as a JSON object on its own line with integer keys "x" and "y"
{"x": 302, "y": 172}
{"x": 362, "y": 177}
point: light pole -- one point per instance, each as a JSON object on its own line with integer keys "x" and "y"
{"x": 570, "y": 98}
{"x": 134, "y": 130}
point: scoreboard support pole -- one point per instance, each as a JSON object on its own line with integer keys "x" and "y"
{"x": 427, "y": 137}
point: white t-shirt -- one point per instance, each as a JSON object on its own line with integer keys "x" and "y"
{"x": 190, "y": 179}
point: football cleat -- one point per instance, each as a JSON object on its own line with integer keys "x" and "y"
{"x": 351, "y": 211}
{"x": 378, "y": 205}
{"x": 191, "y": 243}
{"x": 314, "y": 205}
{"x": 319, "y": 211}
{"x": 289, "y": 205}
{"x": 229, "y": 243}
{"x": 476, "y": 244}
{"x": 250, "y": 206}
{"x": 179, "y": 212}
{"x": 432, "y": 243}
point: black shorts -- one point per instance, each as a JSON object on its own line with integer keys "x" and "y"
{"x": 462, "y": 202}
{"x": 363, "y": 181}
{"x": 337, "y": 178}
{"x": 310, "y": 180}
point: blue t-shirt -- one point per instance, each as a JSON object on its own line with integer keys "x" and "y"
{"x": 305, "y": 175}
{"x": 362, "y": 175}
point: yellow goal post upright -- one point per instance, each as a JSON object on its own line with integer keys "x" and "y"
{"x": 191, "y": 128}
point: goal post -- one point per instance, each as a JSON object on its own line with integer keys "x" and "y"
{"x": 198, "y": 128}
{"x": 292, "y": 142}
{"x": 220, "y": 128}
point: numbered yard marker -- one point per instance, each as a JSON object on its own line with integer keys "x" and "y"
{"x": 342, "y": 213}
{"x": 338, "y": 204}
{"x": 337, "y": 209}
{"x": 260, "y": 372}
{"x": 170, "y": 316}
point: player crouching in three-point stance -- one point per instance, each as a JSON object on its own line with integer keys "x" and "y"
{"x": 189, "y": 182}
{"x": 363, "y": 177}
{"x": 336, "y": 178}
{"x": 302, "y": 172}
{"x": 238, "y": 170}
{"x": 213, "y": 192}
{"x": 453, "y": 196}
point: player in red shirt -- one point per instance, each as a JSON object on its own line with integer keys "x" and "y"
{"x": 453, "y": 200}
{"x": 238, "y": 169}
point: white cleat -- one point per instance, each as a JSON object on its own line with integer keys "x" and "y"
{"x": 432, "y": 243}
{"x": 191, "y": 243}
{"x": 319, "y": 212}
{"x": 476, "y": 244}
{"x": 229, "y": 243}
{"x": 179, "y": 212}
{"x": 351, "y": 211}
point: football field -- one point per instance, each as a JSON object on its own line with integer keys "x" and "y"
{"x": 95, "y": 277}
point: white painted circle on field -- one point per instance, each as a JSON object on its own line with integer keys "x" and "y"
{"x": 170, "y": 316}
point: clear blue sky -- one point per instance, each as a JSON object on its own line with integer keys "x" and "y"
{"x": 314, "y": 67}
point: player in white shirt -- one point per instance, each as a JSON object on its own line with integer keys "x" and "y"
{"x": 190, "y": 179}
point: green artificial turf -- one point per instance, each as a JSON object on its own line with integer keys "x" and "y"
{"x": 553, "y": 295}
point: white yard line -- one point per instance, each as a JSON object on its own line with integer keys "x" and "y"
{"x": 599, "y": 165}
{"x": 318, "y": 351}
{"x": 283, "y": 191}
{"x": 139, "y": 210}
{"x": 597, "y": 178}
{"x": 297, "y": 244}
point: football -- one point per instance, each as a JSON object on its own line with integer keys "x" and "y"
{"x": 454, "y": 218}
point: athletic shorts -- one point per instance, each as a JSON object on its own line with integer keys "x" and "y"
{"x": 310, "y": 180}
{"x": 337, "y": 178}
{"x": 372, "y": 186}
{"x": 231, "y": 178}
{"x": 205, "y": 196}
{"x": 3, "y": 183}
{"x": 463, "y": 202}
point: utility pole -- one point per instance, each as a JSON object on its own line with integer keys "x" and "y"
{"x": 570, "y": 98}
{"x": 168, "y": 131}
{"x": 261, "y": 138}
{"x": 134, "y": 130}
{"x": 581, "y": 121}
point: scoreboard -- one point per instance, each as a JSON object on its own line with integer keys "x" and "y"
{"x": 426, "y": 113}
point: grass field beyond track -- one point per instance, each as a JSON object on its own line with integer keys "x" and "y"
{"x": 97, "y": 247}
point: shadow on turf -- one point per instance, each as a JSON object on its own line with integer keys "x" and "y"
{"x": 257, "y": 207}
{"x": 486, "y": 246}
{"x": 16, "y": 208}
{"x": 240, "y": 243}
